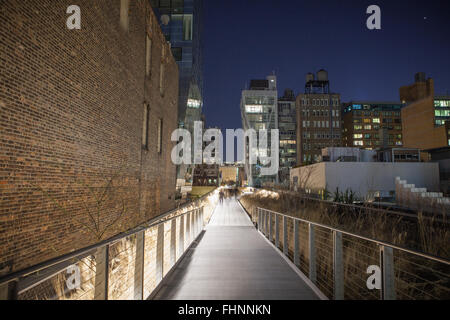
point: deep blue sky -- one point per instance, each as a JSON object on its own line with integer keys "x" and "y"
{"x": 248, "y": 39}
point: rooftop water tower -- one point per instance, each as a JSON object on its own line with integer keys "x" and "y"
{"x": 322, "y": 75}
{"x": 309, "y": 77}
{"x": 318, "y": 85}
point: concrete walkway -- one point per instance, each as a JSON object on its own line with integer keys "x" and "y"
{"x": 232, "y": 261}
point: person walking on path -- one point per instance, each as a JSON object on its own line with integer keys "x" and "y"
{"x": 221, "y": 196}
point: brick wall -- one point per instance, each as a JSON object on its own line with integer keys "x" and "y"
{"x": 419, "y": 130}
{"x": 71, "y": 121}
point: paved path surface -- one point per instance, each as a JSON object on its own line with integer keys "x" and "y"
{"x": 232, "y": 261}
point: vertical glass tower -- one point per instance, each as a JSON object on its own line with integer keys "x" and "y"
{"x": 287, "y": 124}
{"x": 259, "y": 111}
{"x": 181, "y": 23}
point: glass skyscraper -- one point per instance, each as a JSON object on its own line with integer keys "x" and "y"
{"x": 259, "y": 111}
{"x": 181, "y": 23}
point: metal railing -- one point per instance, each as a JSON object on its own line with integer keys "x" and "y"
{"x": 345, "y": 265}
{"x": 128, "y": 266}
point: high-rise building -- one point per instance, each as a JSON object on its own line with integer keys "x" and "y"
{"x": 425, "y": 115}
{"x": 181, "y": 23}
{"x": 372, "y": 125}
{"x": 259, "y": 111}
{"x": 318, "y": 118}
{"x": 287, "y": 123}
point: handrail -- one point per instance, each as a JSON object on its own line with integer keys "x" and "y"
{"x": 357, "y": 207}
{"x": 391, "y": 273}
{"x": 378, "y": 242}
{"x": 14, "y": 276}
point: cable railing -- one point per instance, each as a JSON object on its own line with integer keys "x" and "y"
{"x": 130, "y": 266}
{"x": 344, "y": 265}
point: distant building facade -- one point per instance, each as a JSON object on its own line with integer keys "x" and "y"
{"x": 442, "y": 156}
{"x": 229, "y": 174}
{"x": 206, "y": 175}
{"x": 368, "y": 180}
{"x": 318, "y": 118}
{"x": 425, "y": 115}
{"x": 372, "y": 125}
{"x": 287, "y": 124}
{"x": 259, "y": 111}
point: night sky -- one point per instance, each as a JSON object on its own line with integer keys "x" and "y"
{"x": 249, "y": 39}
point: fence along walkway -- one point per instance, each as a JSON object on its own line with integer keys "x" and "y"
{"x": 232, "y": 261}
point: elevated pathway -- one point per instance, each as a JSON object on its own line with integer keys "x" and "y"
{"x": 232, "y": 261}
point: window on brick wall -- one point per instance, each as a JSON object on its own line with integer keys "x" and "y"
{"x": 161, "y": 79}
{"x": 145, "y": 126}
{"x": 124, "y": 14}
{"x": 177, "y": 53}
{"x": 160, "y": 135}
{"x": 162, "y": 70}
{"x": 148, "y": 56}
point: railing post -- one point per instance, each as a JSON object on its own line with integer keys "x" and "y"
{"x": 173, "y": 242}
{"x": 285, "y": 236}
{"x": 312, "y": 254}
{"x": 270, "y": 226}
{"x": 259, "y": 218}
{"x": 8, "y": 291}
{"x": 181, "y": 237}
{"x": 277, "y": 231}
{"x": 160, "y": 253}
{"x": 199, "y": 218}
{"x": 101, "y": 273}
{"x": 194, "y": 224}
{"x": 264, "y": 222}
{"x": 338, "y": 266}
{"x": 139, "y": 267}
{"x": 387, "y": 273}
{"x": 203, "y": 219}
{"x": 188, "y": 228}
{"x": 197, "y": 223}
{"x": 296, "y": 243}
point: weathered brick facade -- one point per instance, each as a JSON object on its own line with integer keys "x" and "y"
{"x": 71, "y": 120}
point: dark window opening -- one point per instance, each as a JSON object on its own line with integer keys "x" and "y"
{"x": 177, "y": 53}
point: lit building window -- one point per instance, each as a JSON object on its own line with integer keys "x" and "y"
{"x": 254, "y": 108}
{"x": 376, "y": 120}
{"x": 358, "y": 143}
{"x": 193, "y": 103}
